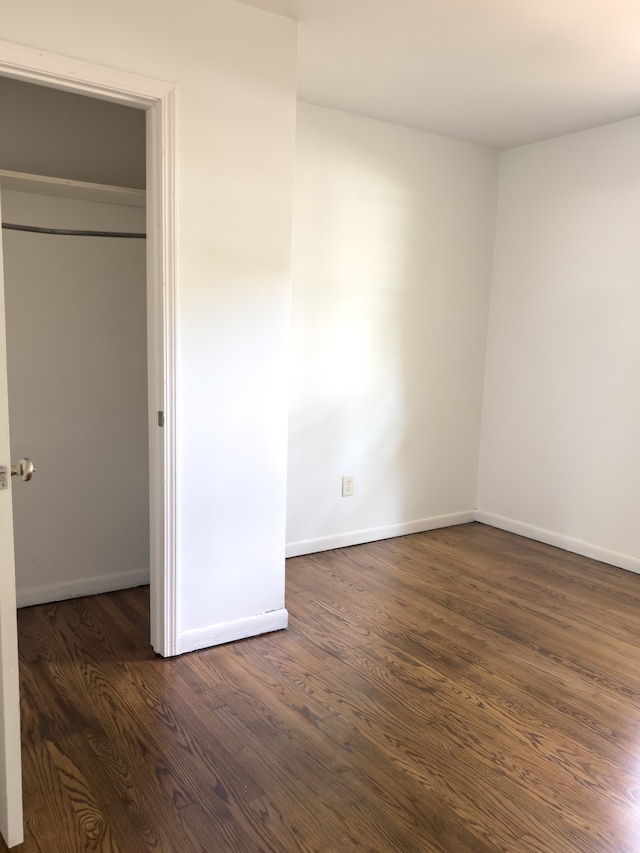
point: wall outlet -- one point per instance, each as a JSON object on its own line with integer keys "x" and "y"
{"x": 347, "y": 486}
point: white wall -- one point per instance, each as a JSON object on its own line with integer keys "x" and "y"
{"x": 560, "y": 458}
{"x": 392, "y": 255}
{"x": 86, "y": 139}
{"x": 76, "y": 348}
{"x": 234, "y": 69}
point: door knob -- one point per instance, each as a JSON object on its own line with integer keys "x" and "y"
{"x": 24, "y": 469}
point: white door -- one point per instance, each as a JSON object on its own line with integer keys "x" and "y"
{"x": 10, "y": 759}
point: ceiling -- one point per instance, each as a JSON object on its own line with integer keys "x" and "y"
{"x": 495, "y": 72}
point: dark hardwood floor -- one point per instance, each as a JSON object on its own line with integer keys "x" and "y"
{"x": 459, "y": 691}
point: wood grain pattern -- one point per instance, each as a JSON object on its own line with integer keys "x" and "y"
{"x": 457, "y": 691}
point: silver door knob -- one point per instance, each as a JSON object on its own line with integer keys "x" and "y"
{"x": 24, "y": 469}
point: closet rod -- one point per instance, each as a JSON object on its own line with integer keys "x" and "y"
{"x": 72, "y": 232}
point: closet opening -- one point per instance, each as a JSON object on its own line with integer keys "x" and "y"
{"x": 89, "y": 321}
{"x": 75, "y": 301}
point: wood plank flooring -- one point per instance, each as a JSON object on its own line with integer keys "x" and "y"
{"x": 458, "y": 691}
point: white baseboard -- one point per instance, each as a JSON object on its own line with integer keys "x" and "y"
{"x": 374, "y": 534}
{"x": 548, "y": 537}
{"x": 28, "y": 596}
{"x": 227, "y": 632}
{"x": 558, "y": 540}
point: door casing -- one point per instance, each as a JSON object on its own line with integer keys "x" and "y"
{"x": 158, "y": 99}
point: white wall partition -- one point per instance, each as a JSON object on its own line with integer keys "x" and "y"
{"x": 392, "y": 254}
{"x": 560, "y": 458}
{"x": 233, "y": 69}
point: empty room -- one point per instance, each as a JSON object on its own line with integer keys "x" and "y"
{"x": 342, "y": 554}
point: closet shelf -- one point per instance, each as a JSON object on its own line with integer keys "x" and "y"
{"x": 61, "y": 187}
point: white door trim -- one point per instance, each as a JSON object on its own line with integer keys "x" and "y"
{"x": 159, "y": 100}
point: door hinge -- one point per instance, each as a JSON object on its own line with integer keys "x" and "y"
{"x": 160, "y": 419}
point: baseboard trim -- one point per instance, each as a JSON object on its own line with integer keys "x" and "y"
{"x": 375, "y": 534}
{"x": 82, "y": 586}
{"x": 558, "y": 540}
{"x": 227, "y": 632}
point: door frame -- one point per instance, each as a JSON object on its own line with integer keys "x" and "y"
{"x": 158, "y": 99}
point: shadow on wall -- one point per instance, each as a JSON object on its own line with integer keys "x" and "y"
{"x": 392, "y": 249}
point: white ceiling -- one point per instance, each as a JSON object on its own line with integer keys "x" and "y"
{"x": 496, "y": 72}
